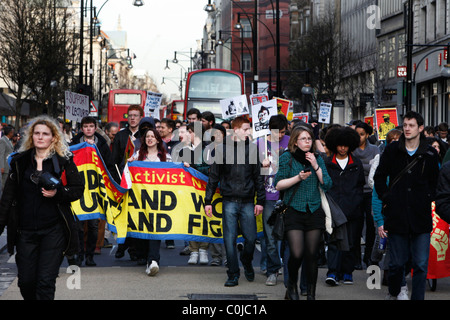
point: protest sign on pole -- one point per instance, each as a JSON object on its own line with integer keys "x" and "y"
{"x": 386, "y": 120}
{"x": 152, "y": 104}
{"x": 261, "y": 114}
{"x": 234, "y": 107}
{"x": 76, "y": 106}
{"x": 303, "y": 116}
{"x": 284, "y": 106}
{"x": 325, "y": 112}
{"x": 258, "y": 98}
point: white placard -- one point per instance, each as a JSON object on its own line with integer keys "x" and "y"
{"x": 325, "y": 112}
{"x": 77, "y": 106}
{"x": 234, "y": 107}
{"x": 152, "y": 103}
{"x": 258, "y": 98}
{"x": 261, "y": 114}
{"x": 303, "y": 116}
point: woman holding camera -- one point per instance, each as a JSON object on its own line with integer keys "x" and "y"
{"x": 35, "y": 206}
{"x": 303, "y": 171}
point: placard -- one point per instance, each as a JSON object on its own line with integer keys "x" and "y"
{"x": 386, "y": 120}
{"x": 152, "y": 103}
{"x": 234, "y": 107}
{"x": 303, "y": 116}
{"x": 77, "y": 106}
{"x": 284, "y": 106}
{"x": 325, "y": 112}
{"x": 261, "y": 114}
{"x": 258, "y": 98}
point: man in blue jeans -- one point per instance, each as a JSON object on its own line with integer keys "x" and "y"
{"x": 407, "y": 203}
{"x": 236, "y": 170}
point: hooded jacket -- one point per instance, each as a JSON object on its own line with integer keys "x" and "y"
{"x": 407, "y": 206}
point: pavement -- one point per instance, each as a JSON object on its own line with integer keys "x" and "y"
{"x": 115, "y": 279}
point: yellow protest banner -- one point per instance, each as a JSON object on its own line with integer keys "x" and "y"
{"x": 161, "y": 201}
{"x": 166, "y": 202}
{"x": 102, "y": 195}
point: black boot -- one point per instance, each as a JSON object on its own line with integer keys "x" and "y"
{"x": 292, "y": 291}
{"x": 90, "y": 261}
{"x": 311, "y": 292}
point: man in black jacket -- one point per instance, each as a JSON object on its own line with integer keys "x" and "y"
{"x": 407, "y": 203}
{"x": 237, "y": 169}
{"x": 88, "y": 134}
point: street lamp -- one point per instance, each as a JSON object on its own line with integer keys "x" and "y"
{"x": 138, "y": 3}
{"x": 210, "y": 7}
{"x": 253, "y": 26}
{"x": 183, "y": 53}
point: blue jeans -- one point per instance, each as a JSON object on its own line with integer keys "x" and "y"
{"x": 238, "y": 216}
{"x": 401, "y": 248}
{"x": 273, "y": 257}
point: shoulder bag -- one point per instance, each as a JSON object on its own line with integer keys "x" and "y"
{"x": 276, "y": 219}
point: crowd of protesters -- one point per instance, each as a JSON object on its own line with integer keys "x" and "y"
{"x": 297, "y": 162}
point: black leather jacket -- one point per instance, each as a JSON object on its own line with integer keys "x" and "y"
{"x": 236, "y": 171}
{"x": 13, "y": 191}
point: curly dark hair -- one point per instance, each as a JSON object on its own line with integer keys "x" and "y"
{"x": 344, "y": 136}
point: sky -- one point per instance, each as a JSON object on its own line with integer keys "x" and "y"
{"x": 155, "y": 31}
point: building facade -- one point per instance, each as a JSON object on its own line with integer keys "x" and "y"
{"x": 378, "y": 30}
{"x": 251, "y": 49}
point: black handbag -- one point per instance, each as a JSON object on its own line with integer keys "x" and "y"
{"x": 276, "y": 219}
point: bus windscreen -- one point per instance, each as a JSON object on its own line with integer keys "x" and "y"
{"x": 127, "y": 98}
{"x": 214, "y": 85}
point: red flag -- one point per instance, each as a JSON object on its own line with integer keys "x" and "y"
{"x": 129, "y": 149}
{"x": 439, "y": 259}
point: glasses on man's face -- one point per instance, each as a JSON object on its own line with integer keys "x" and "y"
{"x": 304, "y": 139}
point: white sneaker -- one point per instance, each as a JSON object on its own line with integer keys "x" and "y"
{"x": 193, "y": 258}
{"x": 203, "y": 256}
{"x": 271, "y": 280}
{"x": 152, "y": 269}
{"x": 403, "y": 295}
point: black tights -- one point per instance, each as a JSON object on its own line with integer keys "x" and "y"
{"x": 303, "y": 244}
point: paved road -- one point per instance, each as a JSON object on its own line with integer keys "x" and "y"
{"x": 122, "y": 279}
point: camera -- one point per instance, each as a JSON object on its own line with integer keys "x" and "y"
{"x": 48, "y": 181}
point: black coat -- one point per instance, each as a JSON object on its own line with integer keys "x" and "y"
{"x": 443, "y": 193}
{"x": 408, "y": 205}
{"x": 72, "y": 191}
{"x": 238, "y": 180}
{"x": 348, "y": 185}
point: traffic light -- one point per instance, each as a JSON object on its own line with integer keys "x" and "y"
{"x": 402, "y": 92}
{"x": 84, "y": 89}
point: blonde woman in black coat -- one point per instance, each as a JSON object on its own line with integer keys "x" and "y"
{"x": 35, "y": 206}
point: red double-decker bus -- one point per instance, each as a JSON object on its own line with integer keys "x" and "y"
{"x": 206, "y": 87}
{"x": 118, "y": 102}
